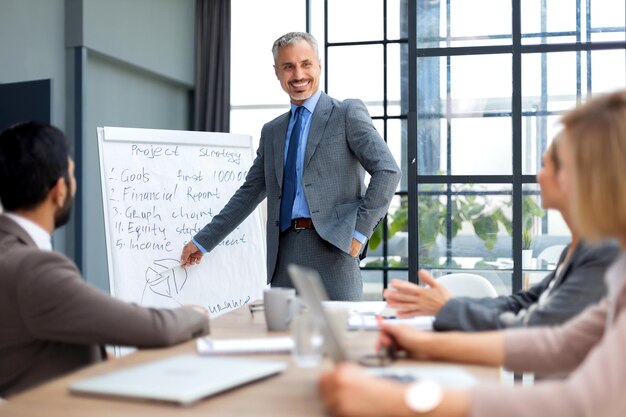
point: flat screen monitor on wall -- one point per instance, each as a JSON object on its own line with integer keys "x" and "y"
{"x": 24, "y": 101}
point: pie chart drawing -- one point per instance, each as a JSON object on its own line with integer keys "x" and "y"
{"x": 165, "y": 278}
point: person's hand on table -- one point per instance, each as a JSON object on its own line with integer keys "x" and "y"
{"x": 348, "y": 391}
{"x": 402, "y": 337}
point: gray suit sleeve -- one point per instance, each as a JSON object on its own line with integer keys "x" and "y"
{"x": 376, "y": 158}
{"x": 57, "y": 305}
{"x": 581, "y": 286}
{"x": 239, "y": 207}
{"x": 474, "y": 314}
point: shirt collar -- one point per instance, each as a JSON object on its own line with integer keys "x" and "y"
{"x": 309, "y": 103}
{"x": 37, "y": 233}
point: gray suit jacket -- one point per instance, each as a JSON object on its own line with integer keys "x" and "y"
{"x": 579, "y": 285}
{"x": 342, "y": 145}
{"x": 51, "y": 321}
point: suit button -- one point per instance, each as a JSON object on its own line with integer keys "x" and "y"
{"x": 276, "y": 223}
{"x": 280, "y": 196}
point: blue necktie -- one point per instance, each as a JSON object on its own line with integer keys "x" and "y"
{"x": 289, "y": 174}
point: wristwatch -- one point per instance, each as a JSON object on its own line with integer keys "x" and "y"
{"x": 423, "y": 396}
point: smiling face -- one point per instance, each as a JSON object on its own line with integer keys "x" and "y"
{"x": 298, "y": 69}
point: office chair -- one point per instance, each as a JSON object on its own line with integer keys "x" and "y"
{"x": 467, "y": 285}
{"x": 550, "y": 255}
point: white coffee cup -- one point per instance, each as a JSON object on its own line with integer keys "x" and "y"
{"x": 278, "y": 304}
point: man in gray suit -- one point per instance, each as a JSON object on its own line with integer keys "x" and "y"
{"x": 51, "y": 321}
{"x": 310, "y": 165}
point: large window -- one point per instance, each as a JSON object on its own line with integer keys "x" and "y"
{"x": 487, "y": 90}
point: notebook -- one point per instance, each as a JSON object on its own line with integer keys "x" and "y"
{"x": 209, "y": 346}
{"x": 180, "y": 379}
{"x": 359, "y": 321}
{"x": 310, "y": 287}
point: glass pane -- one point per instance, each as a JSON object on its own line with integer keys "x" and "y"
{"x": 398, "y": 274}
{"x": 372, "y": 285}
{"x": 256, "y": 51}
{"x": 608, "y": 71}
{"x": 469, "y": 229}
{"x": 250, "y": 120}
{"x": 397, "y": 238}
{"x": 318, "y": 24}
{"x": 480, "y": 83}
{"x": 608, "y": 19}
{"x": 481, "y": 146}
{"x": 477, "y": 118}
{"x": 396, "y": 19}
{"x": 469, "y": 25}
{"x": 549, "y": 88}
{"x": 549, "y": 81}
{"x": 538, "y": 131}
{"x": 397, "y": 94}
{"x": 365, "y": 85}
{"x": 368, "y": 14}
{"x": 554, "y": 23}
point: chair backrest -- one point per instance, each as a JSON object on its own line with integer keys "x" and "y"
{"x": 468, "y": 285}
{"x": 550, "y": 255}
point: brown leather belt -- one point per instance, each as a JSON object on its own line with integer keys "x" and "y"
{"x": 302, "y": 223}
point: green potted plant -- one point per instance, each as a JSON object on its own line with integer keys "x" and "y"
{"x": 527, "y": 252}
{"x": 472, "y": 209}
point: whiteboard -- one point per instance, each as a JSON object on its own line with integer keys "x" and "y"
{"x": 159, "y": 188}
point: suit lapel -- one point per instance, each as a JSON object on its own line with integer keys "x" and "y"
{"x": 10, "y": 227}
{"x": 278, "y": 140}
{"x": 318, "y": 125}
{"x": 558, "y": 279}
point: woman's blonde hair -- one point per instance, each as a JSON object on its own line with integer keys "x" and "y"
{"x": 596, "y": 134}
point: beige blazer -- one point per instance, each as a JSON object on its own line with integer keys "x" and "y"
{"x": 591, "y": 346}
{"x": 52, "y": 322}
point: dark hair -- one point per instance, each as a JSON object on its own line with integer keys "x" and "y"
{"x": 33, "y": 156}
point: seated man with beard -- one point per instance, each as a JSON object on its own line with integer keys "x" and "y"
{"x": 51, "y": 321}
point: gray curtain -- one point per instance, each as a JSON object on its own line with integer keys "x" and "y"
{"x": 212, "y": 96}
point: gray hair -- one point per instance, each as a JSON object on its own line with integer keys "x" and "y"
{"x": 292, "y": 38}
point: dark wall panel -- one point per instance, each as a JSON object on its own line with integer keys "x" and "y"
{"x": 29, "y": 100}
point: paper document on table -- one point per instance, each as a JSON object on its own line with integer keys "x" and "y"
{"x": 209, "y": 346}
{"x": 362, "y": 307}
{"x": 358, "y": 321}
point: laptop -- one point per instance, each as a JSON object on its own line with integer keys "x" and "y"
{"x": 310, "y": 287}
{"x": 180, "y": 379}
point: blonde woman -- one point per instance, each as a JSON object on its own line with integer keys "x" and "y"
{"x": 590, "y": 346}
{"x": 575, "y": 284}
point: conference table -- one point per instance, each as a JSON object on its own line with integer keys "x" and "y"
{"x": 292, "y": 393}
